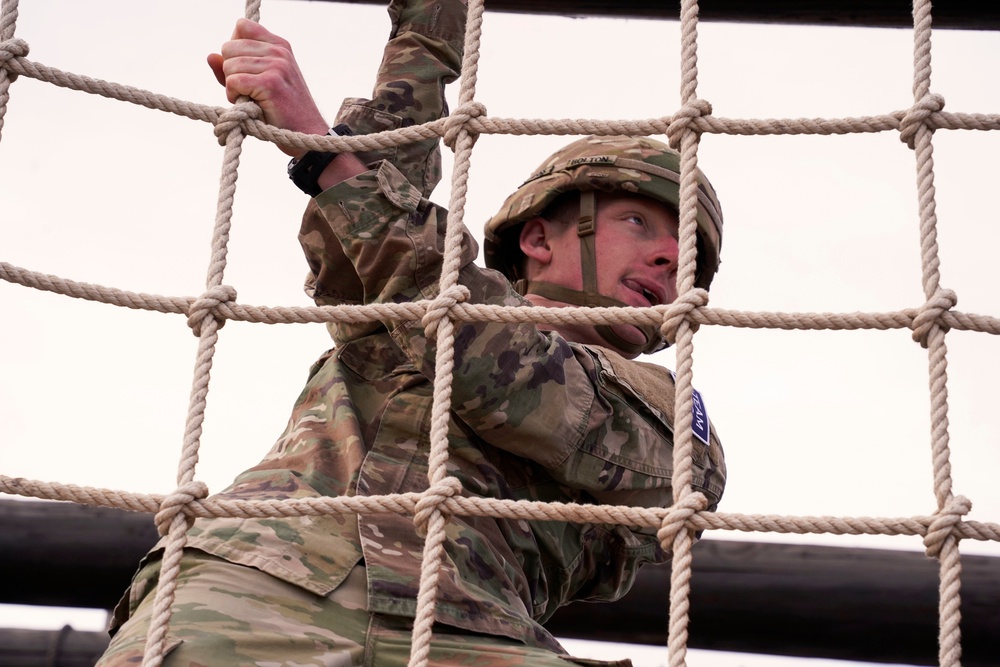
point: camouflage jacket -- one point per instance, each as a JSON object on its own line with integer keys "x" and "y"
{"x": 534, "y": 416}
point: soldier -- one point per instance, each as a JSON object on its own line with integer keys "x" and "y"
{"x": 556, "y": 413}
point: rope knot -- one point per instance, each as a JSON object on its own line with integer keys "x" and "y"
{"x": 10, "y": 49}
{"x": 681, "y": 121}
{"x": 205, "y": 307}
{"x": 234, "y": 117}
{"x": 440, "y": 307}
{"x": 944, "y": 522}
{"x": 13, "y": 48}
{"x": 432, "y": 499}
{"x": 929, "y": 316}
{"x": 679, "y": 311}
{"x": 174, "y": 504}
{"x": 458, "y": 120}
{"x": 676, "y": 517}
{"x": 916, "y": 117}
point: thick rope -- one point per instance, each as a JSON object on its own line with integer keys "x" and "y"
{"x": 461, "y": 141}
{"x": 890, "y": 122}
{"x": 206, "y": 307}
{"x": 406, "y": 504}
{"x": 443, "y": 306}
{"x": 467, "y": 312}
{"x": 681, "y": 312}
{"x": 917, "y": 135}
{"x": 685, "y": 138}
{"x": 231, "y": 136}
{"x": 944, "y": 523}
{"x": 678, "y": 517}
{"x": 930, "y": 317}
{"x": 10, "y": 48}
{"x": 679, "y": 321}
{"x": 174, "y": 504}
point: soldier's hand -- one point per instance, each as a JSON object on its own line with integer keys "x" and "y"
{"x": 260, "y": 65}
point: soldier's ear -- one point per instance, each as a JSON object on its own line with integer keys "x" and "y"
{"x": 535, "y": 240}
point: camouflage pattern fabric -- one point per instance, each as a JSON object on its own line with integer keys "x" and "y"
{"x": 422, "y": 56}
{"x": 270, "y": 622}
{"x": 534, "y": 417}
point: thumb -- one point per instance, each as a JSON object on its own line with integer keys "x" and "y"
{"x": 215, "y": 62}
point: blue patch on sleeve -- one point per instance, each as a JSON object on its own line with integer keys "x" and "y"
{"x": 699, "y": 417}
{"x": 700, "y": 425}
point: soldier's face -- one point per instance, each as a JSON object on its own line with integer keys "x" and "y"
{"x": 636, "y": 250}
{"x": 636, "y": 241}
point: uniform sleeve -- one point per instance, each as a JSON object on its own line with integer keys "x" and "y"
{"x": 422, "y": 55}
{"x": 528, "y": 392}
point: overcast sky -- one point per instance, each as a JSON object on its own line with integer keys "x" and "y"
{"x": 812, "y": 422}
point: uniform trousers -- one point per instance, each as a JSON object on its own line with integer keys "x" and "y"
{"x": 228, "y": 615}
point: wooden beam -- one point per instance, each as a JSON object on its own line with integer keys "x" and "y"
{"x": 51, "y": 648}
{"x": 826, "y": 602}
{"x": 870, "y": 605}
{"x": 954, "y": 14}
{"x": 69, "y": 555}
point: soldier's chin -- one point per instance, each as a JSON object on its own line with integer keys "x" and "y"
{"x": 629, "y": 334}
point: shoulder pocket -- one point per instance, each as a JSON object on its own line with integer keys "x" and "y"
{"x": 653, "y": 387}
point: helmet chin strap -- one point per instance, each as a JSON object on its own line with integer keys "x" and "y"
{"x": 590, "y": 296}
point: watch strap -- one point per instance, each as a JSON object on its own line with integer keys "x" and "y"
{"x": 305, "y": 171}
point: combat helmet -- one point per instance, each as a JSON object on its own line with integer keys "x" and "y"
{"x": 636, "y": 165}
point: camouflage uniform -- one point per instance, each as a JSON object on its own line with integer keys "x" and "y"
{"x": 534, "y": 417}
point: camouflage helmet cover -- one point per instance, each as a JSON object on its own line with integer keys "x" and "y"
{"x": 639, "y": 165}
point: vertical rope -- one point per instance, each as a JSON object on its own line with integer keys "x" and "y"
{"x": 680, "y": 578}
{"x": 949, "y": 602}
{"x": 8, "y": 23}
{"x": 207, "y": 339}
{"x": 444, "y": 360}
{"x": 930, "y": 262}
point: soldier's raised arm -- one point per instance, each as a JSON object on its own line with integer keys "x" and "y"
{"x": 423, "y": 54}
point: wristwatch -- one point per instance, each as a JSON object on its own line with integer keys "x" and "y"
{"x": 305, "y": 171}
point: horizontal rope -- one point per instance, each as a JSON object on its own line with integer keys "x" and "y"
{"x": 892, "y": 121}
{"x": 408, "y": 504}
{"x": 467, "y": 312}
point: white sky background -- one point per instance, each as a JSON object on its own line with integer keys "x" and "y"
{"x": 813, "y": 422}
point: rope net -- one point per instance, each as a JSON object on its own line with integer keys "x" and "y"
{"x": 941, "y": 531}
